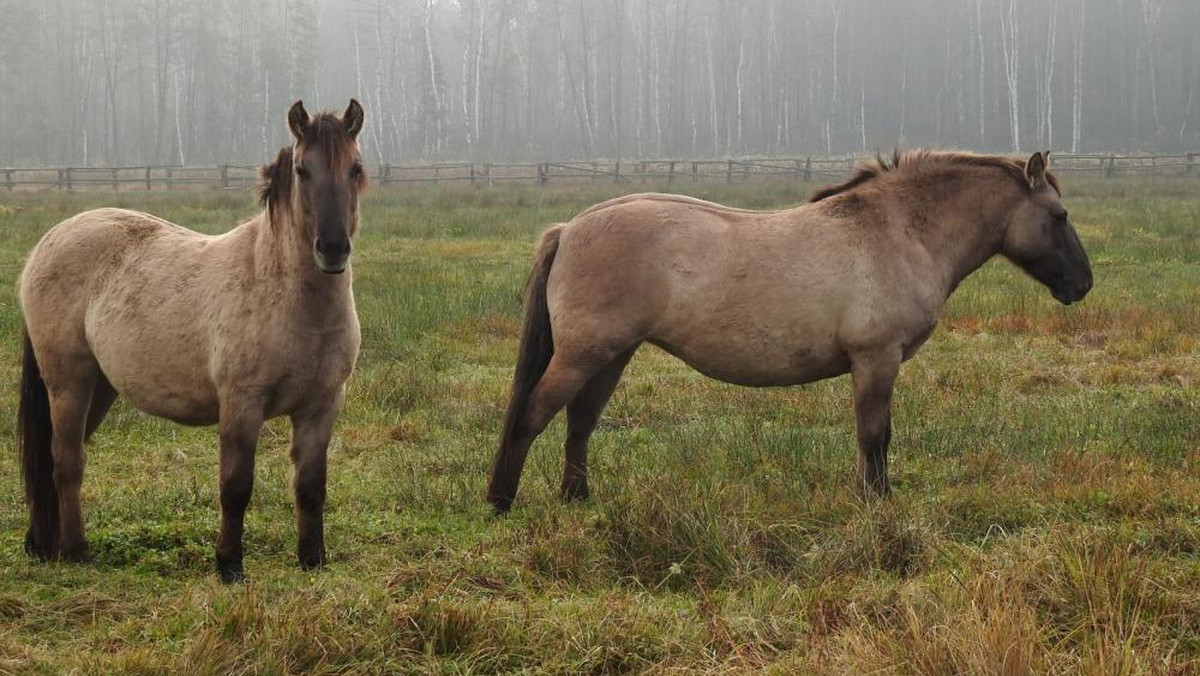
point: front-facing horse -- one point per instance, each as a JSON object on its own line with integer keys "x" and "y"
{"x": 854, "y": 281}
{"x": 234, "y": 330}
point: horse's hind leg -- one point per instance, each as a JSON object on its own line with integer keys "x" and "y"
{"x": 583, "y": 413}
{"x": 70, "y": 403}
{"x": 565, "y": 375}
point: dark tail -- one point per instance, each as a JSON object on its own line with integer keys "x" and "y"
{"x": 37, "y": 464}
{"x": 536, "y": 348}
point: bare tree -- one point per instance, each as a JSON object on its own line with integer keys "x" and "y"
{"x": 152, "y": 81}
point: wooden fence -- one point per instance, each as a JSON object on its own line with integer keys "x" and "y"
{"x": 232, "y": 176}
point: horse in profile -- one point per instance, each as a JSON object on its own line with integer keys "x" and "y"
{"x": 852, "y": 281}
{"x": 229, "y": 330}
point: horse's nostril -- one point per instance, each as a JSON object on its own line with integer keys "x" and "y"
{"x": 1082, "y": 288}
{"x": 334, "y": 248}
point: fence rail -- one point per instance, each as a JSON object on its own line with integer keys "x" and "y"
{"x": 230, "y": 176}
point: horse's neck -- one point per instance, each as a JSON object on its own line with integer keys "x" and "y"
{"x": 967, "y": 228}
{"x": 284, "y": 262}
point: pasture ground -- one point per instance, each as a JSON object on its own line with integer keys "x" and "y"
{"x": 1046, "y": 516}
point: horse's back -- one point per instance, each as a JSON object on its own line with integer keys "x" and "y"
{"x": 669, "y": 199}
{"x": 89, "y": 243}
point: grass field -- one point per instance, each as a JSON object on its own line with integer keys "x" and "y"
{"x": 1046, "y": 461}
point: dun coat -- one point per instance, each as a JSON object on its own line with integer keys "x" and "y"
{"x": 233, "y": 330}
{"x": 852, "y": 282}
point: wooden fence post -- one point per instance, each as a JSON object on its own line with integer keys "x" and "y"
{"x": 170, "y": 179}
{"x": 729, "y": 171}
{"x": 1112, "y": 166}
{"x": 472, "y": 173}
{"x": 65, "y": 174}
{"x": 225, "y": 177}
{"x": 8, "y": 182}
{"x": 1191, "y": 162}
{"x": 808, "y": 168}
{"x": 147, "y": 179}
{"x": 542, "y": 171}
{"x": 113, "y": 174}
{"x": 671, "y": 172}
{"x": 617, "y": 172}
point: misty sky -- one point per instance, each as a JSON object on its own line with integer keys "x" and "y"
{"x": 104, "y": 82}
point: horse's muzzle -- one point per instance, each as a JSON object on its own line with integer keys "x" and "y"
{"x": 332, "y": 257}
{"x": 334, "y": 266}
{"x": 1073, "y": 293}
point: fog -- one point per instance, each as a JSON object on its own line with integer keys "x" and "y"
{"x": 166, "y": 82}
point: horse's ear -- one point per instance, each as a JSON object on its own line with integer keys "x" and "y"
{"x": 298, "y": 120}
{"x": 353, "y": 118}
{"x": 1035, "y": 169}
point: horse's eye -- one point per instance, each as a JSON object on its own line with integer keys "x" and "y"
{"x": 356, "y": 170}
{"x": 302, "y": 172}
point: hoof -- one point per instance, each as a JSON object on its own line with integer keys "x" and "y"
{"x": 500, "y": 504}
{"x": 35, "y": 549}
{"x": 231, "y": 572}
{"x": 79, "y": 553}
{"x": 574, "y": 490}
{"x": 872, "y": 492}
{"x": 312, "y": 561}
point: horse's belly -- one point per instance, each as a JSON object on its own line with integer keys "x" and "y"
{"x": 185, "y": 408}
{"x": 165, "y": 380}
{"x": 757, "y": 365}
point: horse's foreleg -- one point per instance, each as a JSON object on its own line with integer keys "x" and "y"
{"x": 583, "y": 413}
{"x": 874, "y": 376}
{"x": 239, "y": 429}
{"x": 310, "y": 445}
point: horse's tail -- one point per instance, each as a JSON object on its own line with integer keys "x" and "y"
{"x": 536, "y": 349}
{"x": 34, "y": 433}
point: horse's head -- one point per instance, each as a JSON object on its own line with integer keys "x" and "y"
{"x": 314, "y": 185}
{"x": 1040, "y": 239}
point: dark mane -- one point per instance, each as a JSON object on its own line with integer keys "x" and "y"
{"x": 275, "y": 182}
{"x": 326, "y": 134}
{"x": 926, "y": 159}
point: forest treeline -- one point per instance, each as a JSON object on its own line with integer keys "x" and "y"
{"x": 110, "y": 82}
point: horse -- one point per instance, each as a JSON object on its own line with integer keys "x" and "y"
{"x": 232, "y": 330}
{"x": 853, "y": 281}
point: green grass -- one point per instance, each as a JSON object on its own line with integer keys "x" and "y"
{"x": 1046, "y": 516}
